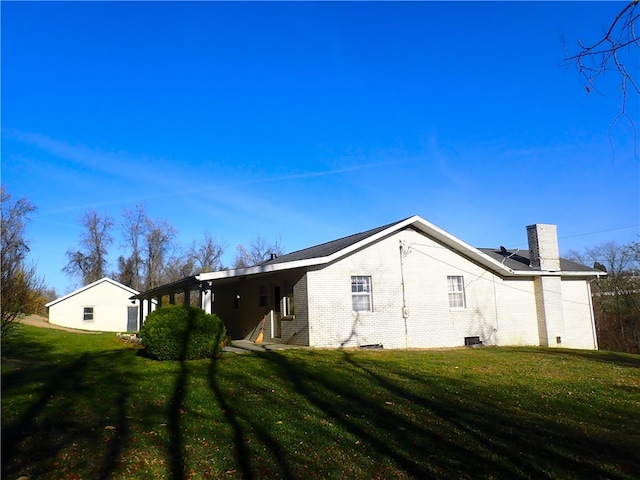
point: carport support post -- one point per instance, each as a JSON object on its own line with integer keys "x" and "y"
{"x": 187, "y": 297}
{"x": 207, "y": 299}
{"x": 141, "y": 312}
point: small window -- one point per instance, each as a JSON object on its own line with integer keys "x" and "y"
{"x": 288, "y": 304}
{"x": 263, "y": 296}
{"x": 361, "y": 294}
{"x": 87, "y": 314}
{"x": 456, "y": 292}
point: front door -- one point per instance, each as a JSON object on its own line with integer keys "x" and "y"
{"x": 132, "y": 319}
{"x": 277, "y": 313}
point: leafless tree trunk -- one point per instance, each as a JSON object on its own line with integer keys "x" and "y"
{"x": 90, "y": 262}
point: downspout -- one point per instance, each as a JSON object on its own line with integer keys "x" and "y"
{"x": 495, "y": 305}
{"x": 592, "y": 313}
{"x": 405, "y": 311}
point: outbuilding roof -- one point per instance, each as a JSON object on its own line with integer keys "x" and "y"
{"x": 90, "y": 286}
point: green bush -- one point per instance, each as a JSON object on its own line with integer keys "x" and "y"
{"x": 179, "y": 332}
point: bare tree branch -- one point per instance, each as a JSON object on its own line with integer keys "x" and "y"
{"x": 613, "y": 52}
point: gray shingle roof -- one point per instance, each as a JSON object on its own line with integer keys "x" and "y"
{"x": 328, "y": 248}
{"x": 520, "y": 260}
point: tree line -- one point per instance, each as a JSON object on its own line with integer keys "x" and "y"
{"x": 153, "y": 256}
{"x": 616, "y": 297}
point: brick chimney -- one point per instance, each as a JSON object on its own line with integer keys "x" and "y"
{"x": 543, "y": 247}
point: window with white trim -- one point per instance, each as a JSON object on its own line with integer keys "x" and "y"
{"x": 288, "y": 305}
{"x": 361, "y": 293}
{"x": 87, "y": 314}
{"x": 456, "y": 292}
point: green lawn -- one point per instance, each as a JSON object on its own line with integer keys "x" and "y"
{"x": 91, "y": 407}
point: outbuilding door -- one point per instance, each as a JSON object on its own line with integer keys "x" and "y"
{"x": 132, "y": 319}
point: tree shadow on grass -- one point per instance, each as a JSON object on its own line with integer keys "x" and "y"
{"x": 25, "y": 352}
{"x": 68, "y": 411}
{"x": 427, "y": 427}
{"x": 520, "y": 439}
{"x": 245, "y": 425}
{"x": 615, "y": 358}
{"x": 243, "y": 458}
{"x": 372, "y": 424}
{"x": 176, "y": 406}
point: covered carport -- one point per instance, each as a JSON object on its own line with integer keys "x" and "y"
{"x": 188, "y": 291}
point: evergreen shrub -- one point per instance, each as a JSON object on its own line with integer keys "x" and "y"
{"x": 180, "y": 332}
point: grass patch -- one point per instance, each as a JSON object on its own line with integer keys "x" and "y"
{"x": 93, "y": 407}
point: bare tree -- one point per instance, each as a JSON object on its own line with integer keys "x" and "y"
{"x": 615, "y": 51}
{"x": 20, "y": 285}
{"x": 177, "y": 268}
{"x": 206, "y": 255}
{"x": 90, "y": 262}
{"x": 133, "y": 227}
{"x": 159, "y": 238}
{"x": 616, "y": 258}
{"x": 259, "y": 251}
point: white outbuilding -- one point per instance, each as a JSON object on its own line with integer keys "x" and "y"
{"x": 104, "y": 306}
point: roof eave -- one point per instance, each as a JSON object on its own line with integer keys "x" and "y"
{"x": 91, "y": 285}
{"x": 416, "y": 221}
{"x": 555, "y": 273}
{"x": 460, "y": 246}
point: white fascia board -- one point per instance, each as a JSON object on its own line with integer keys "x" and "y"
{"x": 276, "y": 267}
{"x": 243, "y": 272}
{"x": 415, "y": 221}
{"x": 91, "y": 285}
{"x": 484, "y": 259}
{"x": 460, "y": 246}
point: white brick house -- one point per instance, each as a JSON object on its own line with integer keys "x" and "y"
{"x": 103, "y": 306}
{"x": 409, "y": 284}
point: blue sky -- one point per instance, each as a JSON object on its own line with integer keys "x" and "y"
{"x": 306, "y": 122}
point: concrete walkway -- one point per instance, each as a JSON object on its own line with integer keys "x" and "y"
{"x": 247, "y": 346}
